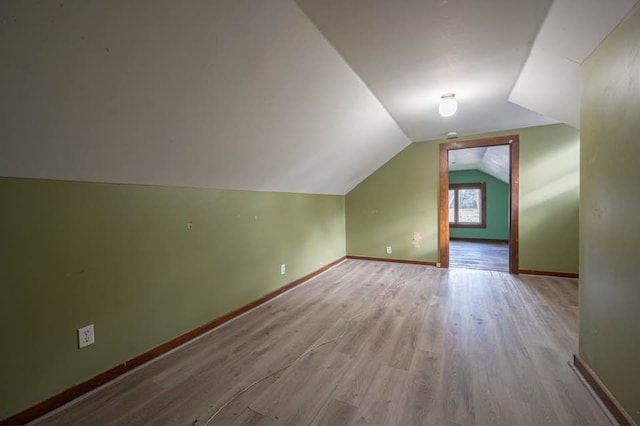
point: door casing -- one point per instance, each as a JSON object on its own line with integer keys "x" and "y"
{"x": 513, "y": 141}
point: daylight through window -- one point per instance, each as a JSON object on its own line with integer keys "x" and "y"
{"x": 467, "y": 205}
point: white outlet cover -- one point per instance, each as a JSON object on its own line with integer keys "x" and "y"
{"x": 389, "y": 250}
{"x": 86, "y": 336}
{"x": 283, "y": 269}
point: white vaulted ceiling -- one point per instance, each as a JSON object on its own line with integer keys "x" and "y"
{"x": 233, "y": 94}
{"x": 550, "y": 79}
{"x": 410, "y": 52}
{"x": 280, "y": 95}
{"x": 493, "y": 160}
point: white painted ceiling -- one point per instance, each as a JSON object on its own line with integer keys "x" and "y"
{"x": 309, "y": 96}
{"x": 232, "y": 94}
{"x": 410, "y": 52}
{"x": 493, "y": 160}
{"x": 550, "y": 80}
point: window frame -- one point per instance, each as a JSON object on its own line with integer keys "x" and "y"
{"x": 482, "y": 186}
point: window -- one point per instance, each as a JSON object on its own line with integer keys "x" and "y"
{"x": 467, "y": 205}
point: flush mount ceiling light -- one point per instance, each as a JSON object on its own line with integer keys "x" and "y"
{"x": 448, "y": 105}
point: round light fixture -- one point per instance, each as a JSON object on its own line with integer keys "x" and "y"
{"x": 448, "y": 105}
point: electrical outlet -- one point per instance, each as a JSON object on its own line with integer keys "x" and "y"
{"x": 283, "y": 269}
{"x": 86, "y": 336}
{"x": 388, "y": 249}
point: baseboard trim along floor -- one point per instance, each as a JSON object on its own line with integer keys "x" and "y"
{"x": 77, "y": 391}
{"x": 384, "y": 259}
{"x": 370, "y": 343}
{"x": 601, "y": 393}
{"x": 548, "y": 273}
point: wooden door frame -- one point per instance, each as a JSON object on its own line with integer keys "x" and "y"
{"x": 513, "y": 141}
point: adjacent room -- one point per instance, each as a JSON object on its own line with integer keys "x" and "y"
{"x": 479, "y": 207}
{"x": 306, "y": 212}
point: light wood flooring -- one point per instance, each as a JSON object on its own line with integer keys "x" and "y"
{"x": 490, "y": 256}
{"x": 371, "y": 343}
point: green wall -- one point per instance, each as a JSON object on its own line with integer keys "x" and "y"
{"x": 497, "y": 205}
{"x": 609, "y": 207}
{"x": 401, "y": 198}
{"x": 121, "y": 257}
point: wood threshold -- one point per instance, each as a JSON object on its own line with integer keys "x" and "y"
{"x": 513, "y": 141}
{"x": 549, "y": 273}
{"x": 80, "y": 389}
{"x": 601, "y": 392}
{"x": 384, "y": 259}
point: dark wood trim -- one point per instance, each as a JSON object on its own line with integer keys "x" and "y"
{"x": 479, "y": 240}
{"x": 514, "y": 205}
{"x": 74, "y": 392}
{"x": 383, "y": 259}
{"x": 443, "y": 211}
{"x": 514, "y": 190}
{"x": 600, "y": 390}
{"x": 549, "y": 273}
{"x": 477, "y": 143}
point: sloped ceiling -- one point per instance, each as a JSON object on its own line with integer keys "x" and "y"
{"x": 410, "y": 52}
{"x": 493, "y": 160}
{"x": 309, "y": 96}
{"x": 234, "y": 94}
{"x": 550, "y": 79}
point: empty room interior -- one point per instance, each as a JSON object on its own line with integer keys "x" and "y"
{"x": 306, "y": 212}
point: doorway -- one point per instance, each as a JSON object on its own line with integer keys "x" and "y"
{"x": 512, "y": 144}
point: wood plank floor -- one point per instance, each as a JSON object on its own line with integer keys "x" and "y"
{"x": 490, "y": 256}
{"x": 371, "y": 343}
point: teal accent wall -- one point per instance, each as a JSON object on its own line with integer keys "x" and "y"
{"x": 497, "y": 205}
{"x": 121, "y": 257}
{"x": 609, "y": 213}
